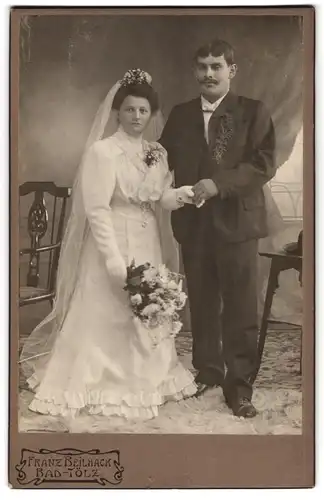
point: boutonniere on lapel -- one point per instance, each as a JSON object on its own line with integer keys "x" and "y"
{"x": 223, "y": 136}
{"x": 153, "y": 155}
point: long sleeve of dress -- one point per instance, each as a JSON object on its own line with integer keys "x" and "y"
{"x": 98, "y": 183}
{"x": 168, "y": 199}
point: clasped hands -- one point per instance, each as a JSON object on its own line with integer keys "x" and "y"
{"x": 197, "y": 194}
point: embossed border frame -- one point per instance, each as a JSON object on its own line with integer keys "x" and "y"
{"x": 182, "y": 461}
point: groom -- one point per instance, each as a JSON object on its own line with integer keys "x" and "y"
{"x": 223, "y": 145}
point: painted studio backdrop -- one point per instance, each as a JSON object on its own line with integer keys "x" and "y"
{"x": 68, "y": 63}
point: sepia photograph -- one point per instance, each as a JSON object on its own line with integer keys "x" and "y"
{"x": 162, "y": 181}
{"x": 160, "y": 224}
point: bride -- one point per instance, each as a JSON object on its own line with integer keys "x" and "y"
{"x": 88, "y": 354}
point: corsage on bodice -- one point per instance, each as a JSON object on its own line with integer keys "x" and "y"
{"x": 142, "y": 170}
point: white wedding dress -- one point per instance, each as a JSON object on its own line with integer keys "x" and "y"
{"x": 102, "y": 362}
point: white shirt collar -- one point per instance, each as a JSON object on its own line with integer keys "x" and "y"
{"x": 211, "y": 106}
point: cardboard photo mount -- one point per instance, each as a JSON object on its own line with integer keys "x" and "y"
{"x": 167, "y": 461}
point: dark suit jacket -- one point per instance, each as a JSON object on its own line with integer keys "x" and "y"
{"x": 239, "y": 158}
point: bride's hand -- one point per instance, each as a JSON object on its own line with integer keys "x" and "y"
{"x": 117, "y": 270}
{"x": 184, "y": 195}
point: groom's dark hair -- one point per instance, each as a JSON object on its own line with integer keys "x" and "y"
{"x": 216, "y": 48}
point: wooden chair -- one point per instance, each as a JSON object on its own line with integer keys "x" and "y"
{"x": 41, "y": 226}
{"x": 289, "y": 258}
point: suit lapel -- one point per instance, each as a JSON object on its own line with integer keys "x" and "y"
{"x": 227, "y": 105}
{"x": 197, "y": 119}
{"x": 195, "y": 131}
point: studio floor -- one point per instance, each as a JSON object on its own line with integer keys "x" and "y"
{"x": 277, "y": 396}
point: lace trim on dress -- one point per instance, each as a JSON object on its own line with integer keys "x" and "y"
{"x": 103, "y": 402}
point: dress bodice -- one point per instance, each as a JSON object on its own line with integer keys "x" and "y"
{"x": 137, "y": 186}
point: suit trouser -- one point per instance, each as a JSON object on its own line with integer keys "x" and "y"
{"x": 222, "y": 291}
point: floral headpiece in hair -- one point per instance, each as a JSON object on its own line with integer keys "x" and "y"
{"x": 134, "y": 77}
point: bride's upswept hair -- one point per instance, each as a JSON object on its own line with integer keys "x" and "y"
{"x": 143, "y": 90}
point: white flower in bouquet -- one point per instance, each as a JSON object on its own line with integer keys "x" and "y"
{"x": 163, "y": 275}
{"x": 161, "y": 282}
{"x": 181, "y": 300}
{"x": 169, "y": 311}
{"x": 136, "y": 300}
{"x": 173, "y": 296}
{"x": 176, "y": 327}
{"x": 172, "y": 285}
{"x": 150, "y": 275}
{"x": 163, "y": 271}
{"x": 151, "y": 309}
{"x": 166, "y": 305}
{"x": 153, "y": 296}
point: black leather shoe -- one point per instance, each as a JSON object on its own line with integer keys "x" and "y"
{"x": 242, "y": 407}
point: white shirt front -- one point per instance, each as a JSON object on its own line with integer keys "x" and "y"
{"x": 208, "y": 109}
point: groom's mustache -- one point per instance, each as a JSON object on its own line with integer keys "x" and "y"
{"x": 209, "y": 81}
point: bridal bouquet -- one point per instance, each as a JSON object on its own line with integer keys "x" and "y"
{"x": 155, "y": 296}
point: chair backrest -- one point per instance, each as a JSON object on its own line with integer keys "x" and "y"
{"x": 45, "y": 222}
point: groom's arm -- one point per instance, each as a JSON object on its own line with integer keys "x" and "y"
{"x": 257, "y": 169}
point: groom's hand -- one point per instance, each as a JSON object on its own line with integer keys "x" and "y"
{"x": 203, "y": 190}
